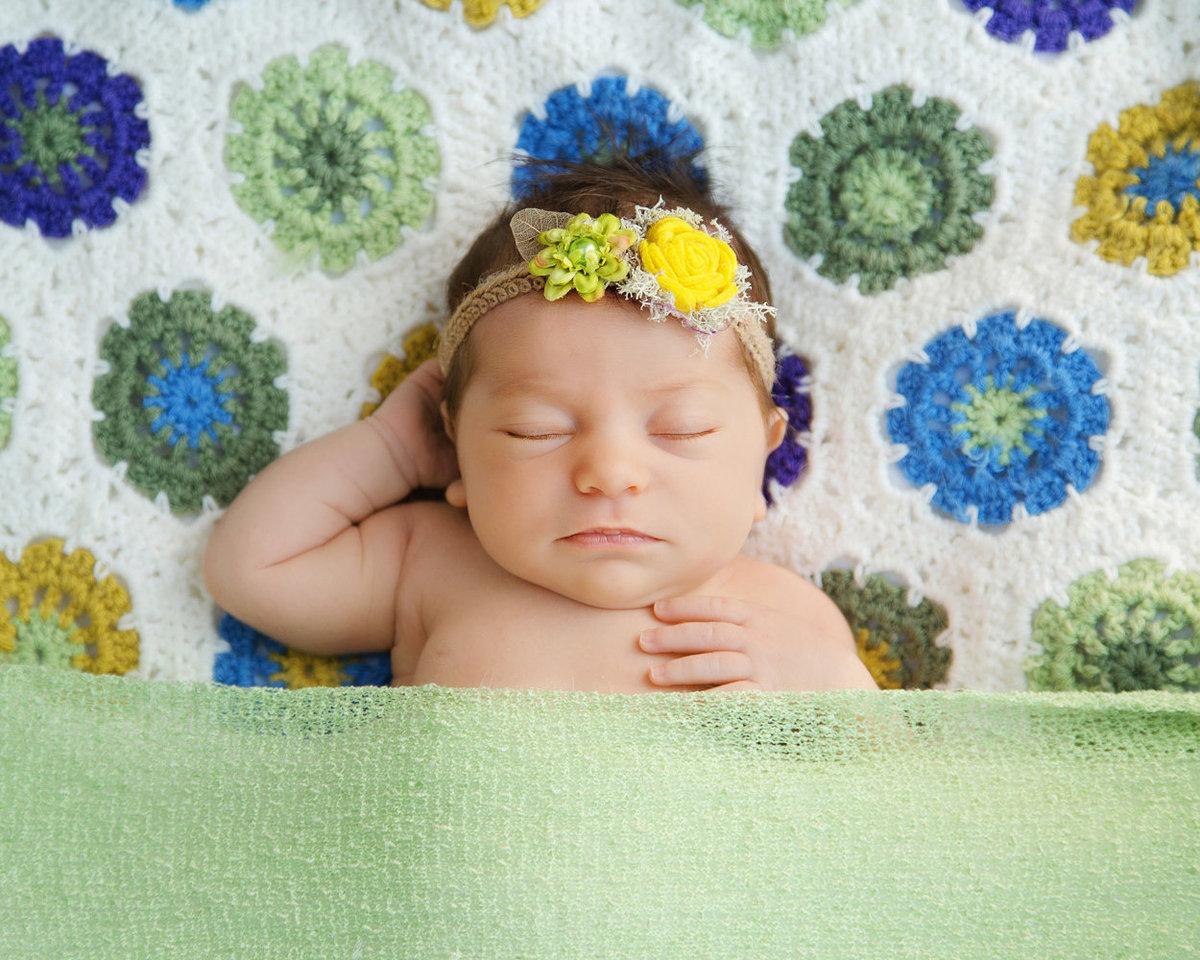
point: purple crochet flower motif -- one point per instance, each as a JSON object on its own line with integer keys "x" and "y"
{"x": 1052, "y": 21}
{"x": 790, "y": 392}
{"x": 68, "y": 138}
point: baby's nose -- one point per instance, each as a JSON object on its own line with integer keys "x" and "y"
{"x": 611, "y": 467}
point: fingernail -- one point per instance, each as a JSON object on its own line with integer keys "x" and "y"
{"x": 647, "y": 640}
{"x": 657, "y": 672}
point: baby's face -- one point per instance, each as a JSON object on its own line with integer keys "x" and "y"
{"x": 602, "y": 456}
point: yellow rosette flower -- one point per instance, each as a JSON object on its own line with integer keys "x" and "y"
{"x": 697, "y": 269}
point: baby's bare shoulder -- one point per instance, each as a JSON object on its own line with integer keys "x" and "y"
{"x": 782, "y": 589}
{"x": 437, "y": 529}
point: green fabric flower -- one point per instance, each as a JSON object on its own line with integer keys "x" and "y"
{"x": 189, "y": 399}
{"x": 887, "y": 192}
{"x": 333, "y": 156}
{"x": 585, "y": 256}
{"x": 1140, "y": 631}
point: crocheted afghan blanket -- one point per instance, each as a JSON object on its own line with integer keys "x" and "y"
{"x": 226, "y": 229}
{"x": 227, "y": 226}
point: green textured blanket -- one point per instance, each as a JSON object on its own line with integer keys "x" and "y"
{"x": 191, "y": 820}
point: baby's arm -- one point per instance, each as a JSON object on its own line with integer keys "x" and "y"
{"x": 311, "y": 551}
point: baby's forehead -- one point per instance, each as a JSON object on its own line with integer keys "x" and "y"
{"x": 530, "y": 333}
{"x": 655, "y": 373}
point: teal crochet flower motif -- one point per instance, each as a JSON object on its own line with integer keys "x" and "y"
{"x": 765, "y": 19}
{"x": 189, "y": 399}
{"x": 333, "y": 156}
{"x": 8, "y": 385}
{"x": 585, "y": 255}
{"x": 1140, "y": 631}
{"x": 896, "y": 641}
{"x": 887, "y": 192}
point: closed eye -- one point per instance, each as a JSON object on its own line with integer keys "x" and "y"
{"x": 691, "y": 435}
{"x": 533, "y": 436}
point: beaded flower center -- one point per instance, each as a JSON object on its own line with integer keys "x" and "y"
{"x": 190, "y": 403}
{"x": 1170, "y": 177}
{"x": 998, "y": 419}
{"x": 887, "y": 194}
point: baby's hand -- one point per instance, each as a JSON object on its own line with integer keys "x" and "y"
{"x": 410, "y": 422}
{"x": 730, "y": 644}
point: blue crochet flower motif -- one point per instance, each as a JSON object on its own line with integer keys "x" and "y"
{"x": 999, "y": 419}
{"x": 255, "y": 660}
{"x": 791, "y": 392}
{"x": 608, "y": 120}
{"x": 190, "y": 4}
{"x": 68, "y": 138}
{"x": 1052, "y": 21}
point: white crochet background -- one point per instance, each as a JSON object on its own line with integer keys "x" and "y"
{"x": 851, "y": 507}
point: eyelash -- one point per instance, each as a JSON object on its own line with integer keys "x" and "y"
{"x": 533, "y": 436}
{"x": 687, "y": 436}
{"x": 664, "y": 436}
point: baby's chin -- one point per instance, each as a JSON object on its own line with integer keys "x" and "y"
{"x": 616, "y": 593}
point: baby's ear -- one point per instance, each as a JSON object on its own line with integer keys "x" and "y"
{"x": 447, "y": 423}
{"x": 456, "y": 494}
{"x": 776, "y": 429}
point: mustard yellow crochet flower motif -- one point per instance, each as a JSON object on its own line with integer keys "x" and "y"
{"x": 697, "y": 269}
{"x": 420, "y": 345}
{"x": 585, "y": 255}
{"x": 298, "y": 670}
{"x": 60, "y": 615}
{"x": 1144, "y": 200}
{"x": 480, "y": 13}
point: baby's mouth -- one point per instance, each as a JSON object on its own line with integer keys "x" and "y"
{"x": 610, "y": 537}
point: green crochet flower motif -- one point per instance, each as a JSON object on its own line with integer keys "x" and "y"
{"x": 333, "y": 157}
{"x": 896, "y": 641}
{"x": 887, "y": 192}
{"x": 8, "y": 385}
{"x": 1140, "y": 631}
{"x": 585, "y": 255}
{"x": 765, "y": 19}
{"x": 189, "y": 400}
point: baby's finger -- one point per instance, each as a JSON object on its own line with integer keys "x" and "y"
{"x": 679, "y": 609}
{"x": 739, "y": 685}
{"x": 721, "y": 666}
{"x": 702, "y": 636}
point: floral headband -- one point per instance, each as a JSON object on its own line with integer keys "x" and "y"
{"x": 670, "y": 261}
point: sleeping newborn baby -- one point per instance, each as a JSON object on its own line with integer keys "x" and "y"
{"x": 599, "y": 417}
